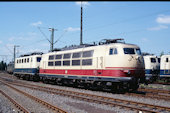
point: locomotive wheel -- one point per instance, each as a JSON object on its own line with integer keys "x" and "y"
{"x": 27, "y": 77}
{"x": 134, "y": 87}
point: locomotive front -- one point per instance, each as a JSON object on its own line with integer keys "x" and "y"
{"x": 126, "y": 64}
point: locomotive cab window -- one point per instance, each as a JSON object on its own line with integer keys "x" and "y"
{"x": 112, "y": 51}
{"x": 38, "y": 59}
{"x": 167, "y": 60}
{"x": 153, "y": 60}
{"x": 129, "y": 50}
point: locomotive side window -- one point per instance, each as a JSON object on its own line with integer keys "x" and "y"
{"x": 87, "y": 53}
{"x": 27, "y": 59}
{"x": 75, "y": 62}
{"x": 50, "y": 63}
{"x": 58, "y": 56}
{"x": 66, "y": 63}
{"x": 138, "y": 51}
{"x": 22, "y": 60}
{"x": 51, "y": 57}
{"x": 129, "y": 50}
{"x": 153, "y": 60}
{"x": 112, "y": 51}
{"x": 87, "y": 62}
{"x": 166, "y": 59}
{"x": 57, "y": 63}
{"x": 66, "y": 56}
{"x": 76, "y": 55}
{"x": 38, "y": 59}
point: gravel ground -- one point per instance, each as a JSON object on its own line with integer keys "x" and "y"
{"x": 76, "y": 106}
{"x": 156, "y": 86}
{"x": 120, "y": 96}
{"x": 6, "y": 106}
{"x": 26, "y": 102}
{"x": 73, "y": 105}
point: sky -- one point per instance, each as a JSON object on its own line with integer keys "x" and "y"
{"x": 25, "y": 24}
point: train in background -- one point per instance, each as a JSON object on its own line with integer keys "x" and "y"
{"x": 165, "y": 68}
{"x": 27, "y": 66}
{"x": 10, "y": 68}
{"x": 152, "y": 68}
{"x": 110, "y": 64}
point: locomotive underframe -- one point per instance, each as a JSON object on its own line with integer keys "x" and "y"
{"x": 115, "y": 84}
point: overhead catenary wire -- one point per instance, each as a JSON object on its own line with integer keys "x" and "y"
{"x": 44, "y": 35}
{"x": 127, "y": 20}
{"x": 121, "y": 21}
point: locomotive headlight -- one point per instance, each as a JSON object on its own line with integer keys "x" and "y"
{"x": 127, "y": 72}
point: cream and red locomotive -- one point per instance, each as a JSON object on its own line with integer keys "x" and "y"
{"x": 110, "y": 64}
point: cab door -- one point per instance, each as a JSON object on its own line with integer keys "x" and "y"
{"x": 99, "y": 66}
{"x": 167, "y": 66}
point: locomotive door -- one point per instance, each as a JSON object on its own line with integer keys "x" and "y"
{"x": 31, "y": 65}
{"x": 99, "y": 66}
{"x": 167, "y": 66}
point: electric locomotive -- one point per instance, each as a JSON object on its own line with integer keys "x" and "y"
{"x": 27, "y": 66}
{"x": 165, "y": 68}
{"x": 10, "y": 68}
{"x": 152, "y": 68}
{"x": 110, "y": 64}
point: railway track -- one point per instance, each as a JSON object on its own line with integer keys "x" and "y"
{"x": 163, "y": 83}
{"x": 152, "y": 93}
{"x": 52, "y": 107}
{"x": 137, "y": 106}
{"x": 156, "y": 91}
{"x": 149, "y": 95}
{"x": 16, "y": 104}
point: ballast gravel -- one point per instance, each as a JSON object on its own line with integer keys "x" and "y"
{"x": 6, "y": 106}
{"x": 73, "y": 105}
{"x": 26, "y": 102}
{"x": 77, "y": 106}
{"x": 107, "y": 94}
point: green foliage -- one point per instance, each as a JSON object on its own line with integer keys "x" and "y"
{"x": 3, "y": 66}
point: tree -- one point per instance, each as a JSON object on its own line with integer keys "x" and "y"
{"x": 162, "y": 53}
{"x": 3, "y": 66}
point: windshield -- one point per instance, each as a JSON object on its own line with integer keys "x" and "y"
{"x": 129, "y": 50}
{"x": 38, "y": 59}
{"x": 153, "y": 60}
